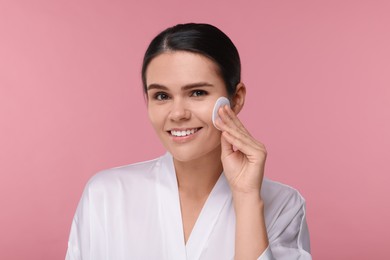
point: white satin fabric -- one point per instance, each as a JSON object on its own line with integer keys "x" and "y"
{"x": 133, "y": 212}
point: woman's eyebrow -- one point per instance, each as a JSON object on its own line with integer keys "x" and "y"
{"x": 185, "y": 87}
{"x": 156, "y": 86}
{"x": 197, "y": 85}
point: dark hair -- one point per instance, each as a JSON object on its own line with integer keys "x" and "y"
{"x": 203, "y": 39}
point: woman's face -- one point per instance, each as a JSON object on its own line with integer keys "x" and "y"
{"x": 182, "y": 88}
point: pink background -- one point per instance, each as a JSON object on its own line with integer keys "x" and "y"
{"x": 318, "y": 77}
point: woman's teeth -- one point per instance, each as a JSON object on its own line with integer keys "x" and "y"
{"x": 183, "y": 133}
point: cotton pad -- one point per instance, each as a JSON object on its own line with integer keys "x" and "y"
{"x": 219, "y": 103}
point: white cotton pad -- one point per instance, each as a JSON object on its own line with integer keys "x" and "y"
{"x": 219, "y": 103}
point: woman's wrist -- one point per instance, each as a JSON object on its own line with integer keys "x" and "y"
{"x": 250, "y": 200}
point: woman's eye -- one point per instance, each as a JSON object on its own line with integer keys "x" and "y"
{"x": 161, "y": 96}
{"x": 198, "y": 93}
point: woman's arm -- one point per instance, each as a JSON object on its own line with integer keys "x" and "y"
{"x": 251, "y": 234}
{"x": 243, "y": 160}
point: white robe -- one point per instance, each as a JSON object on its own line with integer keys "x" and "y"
{"x": 133, "y": 212}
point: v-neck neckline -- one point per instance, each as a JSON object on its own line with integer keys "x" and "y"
{"x": 170, "y": 211}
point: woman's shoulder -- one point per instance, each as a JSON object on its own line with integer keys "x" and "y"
{"x": 277, "y": 195}
{"x": 285, "y": 217}
{"x": 125, "y": 174}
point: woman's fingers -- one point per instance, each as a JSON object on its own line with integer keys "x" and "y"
{"x": 236, "y": 134}
{"x": 232, "y": 125}
{"x": 234, "y": 119}
{"x": 253, "y": 151}
{"x": 229, "y": 121}
{"x": 226, "y": 147}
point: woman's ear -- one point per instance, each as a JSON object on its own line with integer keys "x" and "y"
{"x": 238, "y": 98}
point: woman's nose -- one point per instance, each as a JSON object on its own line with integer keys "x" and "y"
{"x": 179, "y": 111}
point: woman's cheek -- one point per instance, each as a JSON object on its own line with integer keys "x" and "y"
{"x": 154, "y": 116}
{"x": 204, "y": 111}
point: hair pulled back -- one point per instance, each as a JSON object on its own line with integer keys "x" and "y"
{"x": 204, "y": 39}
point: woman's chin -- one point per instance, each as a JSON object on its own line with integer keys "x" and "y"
{"x": 191, "y": 155}
{"x": 184, "y": 157}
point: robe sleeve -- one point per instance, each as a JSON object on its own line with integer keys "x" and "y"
{"x": 79, "y": 238}
{"x": 266, "y": 255}
{"x": 290, "y": 238}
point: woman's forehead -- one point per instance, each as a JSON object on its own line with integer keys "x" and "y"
{"x": 181, "y": 67}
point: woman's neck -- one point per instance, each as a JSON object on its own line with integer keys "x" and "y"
{"x": 198, "y": 177}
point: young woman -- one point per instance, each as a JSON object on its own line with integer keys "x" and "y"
{"x": 206, "y": 198}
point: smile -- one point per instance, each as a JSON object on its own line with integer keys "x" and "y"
{"x": 181, "y": 133}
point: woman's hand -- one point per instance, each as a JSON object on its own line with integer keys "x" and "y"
{"x": 243, "y": 157}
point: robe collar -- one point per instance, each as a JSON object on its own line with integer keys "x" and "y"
{"x": 170, "y": 212}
